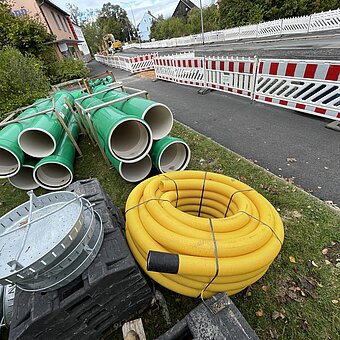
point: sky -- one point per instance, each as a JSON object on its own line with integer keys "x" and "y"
{"x": 139, "y": 7}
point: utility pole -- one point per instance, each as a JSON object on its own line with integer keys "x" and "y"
{"x": 202, "y": 22}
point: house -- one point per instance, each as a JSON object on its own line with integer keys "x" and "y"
{"x": 183, "y": 8}
{"x": 144, "y": 27}
{"x": 56, "y": 21}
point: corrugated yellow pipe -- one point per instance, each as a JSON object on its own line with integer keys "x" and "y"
{"x": 247, "y": 240}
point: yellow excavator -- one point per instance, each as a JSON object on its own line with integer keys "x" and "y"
{"x": 111, "y": 45}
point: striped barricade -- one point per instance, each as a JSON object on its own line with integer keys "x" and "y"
{"x": 308, "y": 86}
{"x": 230, "y": 74}
{"x": 182, "y": 70}
{"x": 142, "y": 62}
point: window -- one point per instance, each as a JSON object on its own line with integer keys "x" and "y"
{"x": 67, "y": 25}
{"x": 62, "y": 24}
{"x": 55, "y": 20}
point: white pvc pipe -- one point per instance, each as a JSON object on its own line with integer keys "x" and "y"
{"x": 175, "y": 157}
{"x": 53, "y": 176}
{"x": 135, "y": 172}
{"x": 24, "y": 178}
{"x": 37, "y": 142}
{"x": 130, "y": 140}
{"x": 160, "y": 119}
{"x": 9, "y": 163}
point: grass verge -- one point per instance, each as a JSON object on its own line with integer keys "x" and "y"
{"x": 297, "y": 298}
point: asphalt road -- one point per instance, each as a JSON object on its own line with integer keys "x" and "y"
{"x": 314, "y": 46}
{"x": 262, "y": 133}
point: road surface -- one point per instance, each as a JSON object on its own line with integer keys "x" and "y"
{"x": 289, "y": 144}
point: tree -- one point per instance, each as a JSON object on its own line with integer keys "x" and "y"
{"x": 113, "y": 19}
{"x": 26, "y": 34}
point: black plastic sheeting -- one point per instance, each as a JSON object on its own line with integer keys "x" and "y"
{"x": 109, "y": 292}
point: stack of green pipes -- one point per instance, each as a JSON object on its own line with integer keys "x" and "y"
{"x": 100, "y": 81}
{"x": 37, "y": 151}
{"x": 166, "y": 153}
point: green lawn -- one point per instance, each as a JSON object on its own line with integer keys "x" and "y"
{"x": 300, "y": 293}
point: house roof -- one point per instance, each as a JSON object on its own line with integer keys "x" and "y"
{"x": 50, "y": 3}
{"x": 187, "y": 3}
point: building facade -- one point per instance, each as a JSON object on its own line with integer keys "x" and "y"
{"x": 144, "y": 27}
{"x": 56, "y": 21}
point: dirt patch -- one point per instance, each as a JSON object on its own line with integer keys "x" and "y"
{"x": 290, "y": 215}
{"x": 297, "y": 290}
{"x": 332, "y": 253}
{"x": 147, "y": 74}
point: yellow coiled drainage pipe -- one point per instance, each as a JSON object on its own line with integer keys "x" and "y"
{"x": 246, "y": 241}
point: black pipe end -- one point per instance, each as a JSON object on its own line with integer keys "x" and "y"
{"x": 162, "y": 262}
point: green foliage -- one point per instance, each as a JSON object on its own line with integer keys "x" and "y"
{"x": 113, "y": 19}
{"x": 169, "y": 28}
{"x": 93, "y": 34}
{"x": 24, "y": 33}
{"x": 234, "y": 13}
{"x": 67, "y": 69}
{"x": 22, "y": 79}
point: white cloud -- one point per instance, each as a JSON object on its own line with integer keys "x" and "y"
{"x": 139, "y": 7}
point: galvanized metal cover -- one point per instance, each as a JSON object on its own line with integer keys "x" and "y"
{"x": 50, "y": 234}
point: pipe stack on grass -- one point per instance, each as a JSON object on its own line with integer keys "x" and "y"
{"x": 37, "y": 151}
{"x": 126, "y": 139}
{"x": 167, "y": 153}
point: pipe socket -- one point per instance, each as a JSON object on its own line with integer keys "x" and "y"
{"x": 37, "y": 142}
{"x": 132, "y": 172}
{"x": 130, "y": 140}
{"x": 24, "y": 178}
{"x": 53, "y": 175}
{"x": 170, "y": 154}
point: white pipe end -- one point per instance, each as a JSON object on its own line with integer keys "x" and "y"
{"x": 160, "y": 119}
{"x": 135, "y": 172}
{"x": 174, "y": 157}
{"x": 53, "y": 176}
{"x": 24, "y": 179}
{"x": 37, "y": 142}
{"x": 9, "y": 163}
{"x": 130, "y": 140}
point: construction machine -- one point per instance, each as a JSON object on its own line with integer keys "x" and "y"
{"x": 111, "y": 45}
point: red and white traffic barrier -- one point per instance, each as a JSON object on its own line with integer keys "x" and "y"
{"x": 182, "y": 68}
{"x": 142, "y": 62}
{"x": 308, "y": 86}
{"x": 230, "y": 74}
{"x": 131, "y": 64}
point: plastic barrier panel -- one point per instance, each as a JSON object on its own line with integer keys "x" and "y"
{"x": 189, "y": 71}
{"x": 307, "y": 86}
{"x": 230, "y": 74}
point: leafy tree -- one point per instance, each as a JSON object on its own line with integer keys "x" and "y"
{"x": 113, "y": 19}
{"x": 26, "y": 34}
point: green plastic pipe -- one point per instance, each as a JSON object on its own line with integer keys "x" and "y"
{"x": 170, "y": 154}
{"x": 128, "y": 138}
{"x": 24, "y": 178}
{"x": 44, "y": 132}
{"x": 131, "y": 172}
{"x": 158, "y": 116}
{"x": 56, "y": 171}
{"x": 11, "y": 155}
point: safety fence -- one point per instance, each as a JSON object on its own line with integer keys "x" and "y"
{"x": 131, "y": 64}
{"x": 308, "y": 86}
{"x": 316, "y": 22}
